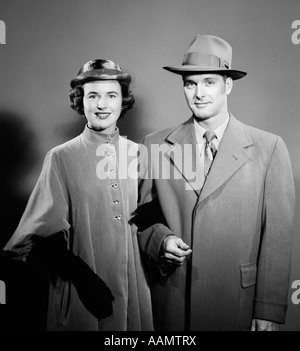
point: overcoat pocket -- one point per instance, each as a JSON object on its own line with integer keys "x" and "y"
{"x": 247, "y": 291}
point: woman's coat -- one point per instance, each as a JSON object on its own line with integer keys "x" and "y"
{"x": 86, "y": 192}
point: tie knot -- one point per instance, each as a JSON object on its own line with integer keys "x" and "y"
{"x": 209, "y": 135}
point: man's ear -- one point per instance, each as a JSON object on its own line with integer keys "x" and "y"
{"x": 228, "y": 85}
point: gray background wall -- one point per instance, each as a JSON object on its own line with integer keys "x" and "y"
{"x": 48, "y": 41}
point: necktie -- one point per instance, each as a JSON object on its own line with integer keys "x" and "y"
{"x": 210, "y": 150}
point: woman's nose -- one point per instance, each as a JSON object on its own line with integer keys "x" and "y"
{"x": 101, "y": 103}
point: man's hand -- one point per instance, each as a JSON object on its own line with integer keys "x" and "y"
{"x": 174, "y": 250}
{"x": 262, "y": 325}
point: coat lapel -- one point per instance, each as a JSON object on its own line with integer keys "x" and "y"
{"x": 231, "y": 156}
{"x": 184, "y": 155}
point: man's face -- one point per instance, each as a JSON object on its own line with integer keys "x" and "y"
{"x": 206, "y": 94}
{"x": 102, "y": 102}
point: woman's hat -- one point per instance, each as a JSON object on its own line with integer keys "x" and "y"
{"x": 100, "y": 69}
{"x": 207, "y": 53}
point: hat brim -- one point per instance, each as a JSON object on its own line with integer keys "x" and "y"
{"x": 85, "y": 78}
{"x": 189, "y": 69}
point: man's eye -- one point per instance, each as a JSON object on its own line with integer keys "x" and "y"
{"x": 92, "y": 96}
{"x": 111, "y": 96}
{"x": 210, "y": 82}
{"x": 189, "y": 84}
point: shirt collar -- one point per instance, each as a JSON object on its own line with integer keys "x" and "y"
{"x": 100, "y": 137}
{"x": 218, "y": 131}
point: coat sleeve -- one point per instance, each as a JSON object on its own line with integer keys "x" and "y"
{"x": 46, "y": 212}
{"x": 149, "y": 219}
{"x": 274, "y": 259}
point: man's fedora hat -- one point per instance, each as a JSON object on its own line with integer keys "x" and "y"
{"x": 100, "y": 69}
{"x": 207, "y": 53}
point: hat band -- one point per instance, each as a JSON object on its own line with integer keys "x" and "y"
{"x": 205, "y": 60}
{"x": 100, "y": 72}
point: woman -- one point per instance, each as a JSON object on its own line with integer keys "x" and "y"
{"x": 77, "y": 215}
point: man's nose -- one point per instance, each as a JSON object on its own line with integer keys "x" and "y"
{"x": 200, "y": 91}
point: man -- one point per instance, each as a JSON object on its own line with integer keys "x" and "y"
{"x": 219, "y": 252}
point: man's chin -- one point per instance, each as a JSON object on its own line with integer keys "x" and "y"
{"x": 202, "y": 118}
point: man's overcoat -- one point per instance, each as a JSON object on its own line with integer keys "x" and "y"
{"x": 239, "y": 226}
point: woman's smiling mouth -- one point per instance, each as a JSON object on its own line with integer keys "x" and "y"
{"x": 102, "y": 115}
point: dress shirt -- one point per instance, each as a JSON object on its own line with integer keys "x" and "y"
{"x": 201, "y": 140}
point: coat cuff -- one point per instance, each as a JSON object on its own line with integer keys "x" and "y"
{"x": 160, "y": 232}
{"x": 270, "y": 311}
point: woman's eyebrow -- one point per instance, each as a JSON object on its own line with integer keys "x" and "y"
{"x": 112, "y": 92}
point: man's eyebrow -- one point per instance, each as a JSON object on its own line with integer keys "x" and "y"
{"x": 188, "y": 80}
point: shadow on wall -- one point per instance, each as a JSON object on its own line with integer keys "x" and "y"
{"x": 70, "y": 130}
{"x": 18, "y": 156}
{"x": 26, "y": 293}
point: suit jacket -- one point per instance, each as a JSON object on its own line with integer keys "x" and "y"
{"x": 239, "y": 226}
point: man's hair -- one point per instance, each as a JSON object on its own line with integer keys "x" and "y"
{"x": 76, "y": 98}
{"x": 212, "y": 72}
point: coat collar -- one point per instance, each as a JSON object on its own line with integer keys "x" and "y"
{"x": 231, "y": 155}
{"x": 183, "y": 133}
{"x": 183, "y": 143}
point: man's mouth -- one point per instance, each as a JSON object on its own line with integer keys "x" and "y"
{"x": 201, "y": 104}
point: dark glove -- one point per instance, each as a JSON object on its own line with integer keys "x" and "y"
{"x": 93, "y": 292}
{"x": 53, "y": 253}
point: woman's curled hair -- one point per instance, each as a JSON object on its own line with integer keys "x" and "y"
{"x": 76, "y": 98}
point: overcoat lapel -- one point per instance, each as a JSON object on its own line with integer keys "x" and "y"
{"x": 231, "y": 156}
{"x": 183, "y": 140}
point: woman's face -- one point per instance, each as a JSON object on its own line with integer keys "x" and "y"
{"x": 102, "y": 102}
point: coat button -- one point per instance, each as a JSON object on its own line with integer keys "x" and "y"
{"x": 116, "y": 202}
{"x": 115, "y": 185}
{"x": 119, "y": 217}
